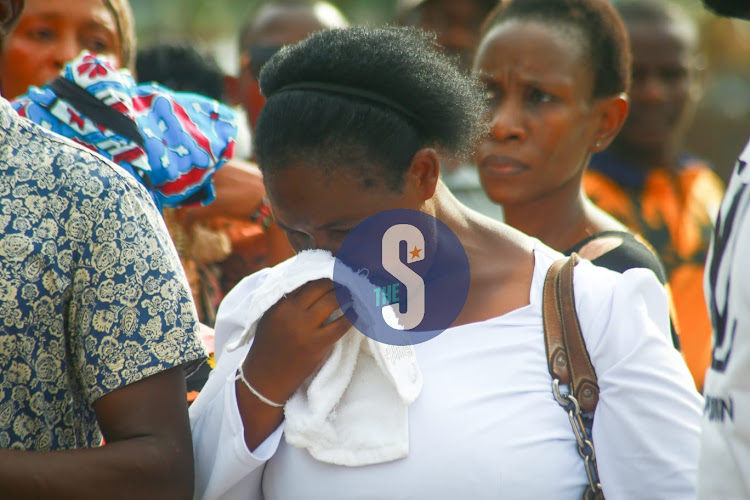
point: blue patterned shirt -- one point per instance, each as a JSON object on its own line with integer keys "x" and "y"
{"x": 92, "y": 295}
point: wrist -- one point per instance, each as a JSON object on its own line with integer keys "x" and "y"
{"x": 258, "y": 419}
{"x": 240, "y": 376}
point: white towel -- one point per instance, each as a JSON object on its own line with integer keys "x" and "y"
{"x": 354, "y": 409}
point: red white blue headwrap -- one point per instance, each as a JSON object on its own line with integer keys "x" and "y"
{"x": 171, "y": 141}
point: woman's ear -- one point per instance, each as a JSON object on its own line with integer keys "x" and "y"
{"x": 424, "y": 172}
{"x": 612, "y": 112}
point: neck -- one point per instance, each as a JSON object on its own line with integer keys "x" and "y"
{"x": 444, "y": 206}
{"x": 464, "y": 222}
{"x": 559, "y": 220}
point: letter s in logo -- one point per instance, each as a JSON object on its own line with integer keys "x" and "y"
{"x": 413, "y": 282}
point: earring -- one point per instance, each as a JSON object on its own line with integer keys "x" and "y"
{"x": 598, "y": 144}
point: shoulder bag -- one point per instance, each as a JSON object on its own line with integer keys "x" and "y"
{"x": 569, "y": 363}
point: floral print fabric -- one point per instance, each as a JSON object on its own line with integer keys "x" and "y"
{"x": 92, "y": 296}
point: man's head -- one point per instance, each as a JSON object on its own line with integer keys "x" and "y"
{"x": 666, "y": 79}
{"x": 10, "y": 11}
{"x": 456, "y": 23}
{"x": 729, "y": 8}
{"x": 180, "y": 66}
{"x": 272, "y": 25}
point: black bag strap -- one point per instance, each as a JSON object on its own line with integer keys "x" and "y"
{"x": 97, "y": 111}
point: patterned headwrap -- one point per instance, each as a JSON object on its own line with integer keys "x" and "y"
{"x": 172, "y": 142}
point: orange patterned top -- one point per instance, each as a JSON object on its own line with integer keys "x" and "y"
{"x": 675, "y": 211}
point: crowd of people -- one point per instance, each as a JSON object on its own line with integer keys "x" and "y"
{"x": 148, "y": 347}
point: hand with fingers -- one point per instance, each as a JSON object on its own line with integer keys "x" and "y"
{"x": 291, "y": 341}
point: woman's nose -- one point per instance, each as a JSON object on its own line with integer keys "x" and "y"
{"x": 67, "y": 49}
{"x": 507, "y": 122}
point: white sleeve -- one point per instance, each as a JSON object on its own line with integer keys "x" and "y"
{"x": 224, "y": 468}
{"x": 647, "y": 423}
{"x": 232, "y": 315}
{"x": 724, "y": 465}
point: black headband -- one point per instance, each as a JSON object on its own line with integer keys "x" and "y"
{"x": 350, "y": 91}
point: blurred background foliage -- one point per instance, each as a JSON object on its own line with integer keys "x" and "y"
{"x": 722, "y": 119}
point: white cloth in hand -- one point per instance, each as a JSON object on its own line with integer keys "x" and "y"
{"x": 353, "y": 410}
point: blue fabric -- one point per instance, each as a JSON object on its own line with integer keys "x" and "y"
{"x": 187, "y": 136}
{"x": 625, "y": 174}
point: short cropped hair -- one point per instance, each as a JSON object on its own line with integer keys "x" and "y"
{"x": 598, "y": 22}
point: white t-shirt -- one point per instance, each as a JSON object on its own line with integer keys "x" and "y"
{"x": 486, "y": 425}
{"x": 724, "y": 470}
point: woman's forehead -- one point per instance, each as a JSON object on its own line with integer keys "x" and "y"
{"x": 303, "y": 201}
{"x": 531, "y": 48}
{"x": 78, "y": 9}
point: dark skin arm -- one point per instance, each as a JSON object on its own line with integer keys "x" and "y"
{"x": 290, "y": 343}
{"x": 239, "y": 192}
{"x": 148, "y": 452}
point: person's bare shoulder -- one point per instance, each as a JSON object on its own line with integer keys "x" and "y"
{"x": 501, "y": 260}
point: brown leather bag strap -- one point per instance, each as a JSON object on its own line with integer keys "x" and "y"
{"x": 557, "y": 356}
{"x": 567, "y": 356}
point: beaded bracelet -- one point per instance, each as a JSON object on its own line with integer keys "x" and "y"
{"x": 241, "y": 376}
{"x": 263, "y": 214}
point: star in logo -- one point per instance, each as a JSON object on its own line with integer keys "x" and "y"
{"x": 415, "y": 253}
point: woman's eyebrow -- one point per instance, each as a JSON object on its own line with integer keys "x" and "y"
{"x": 338, "y": 223}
